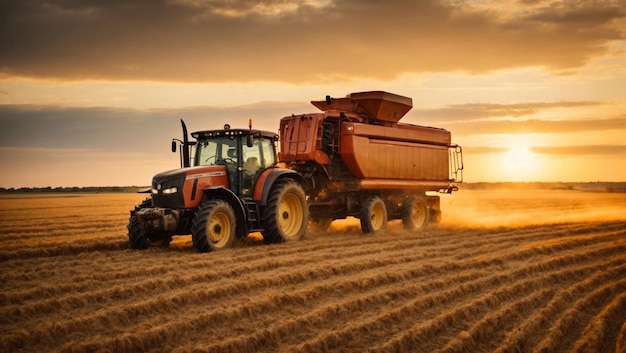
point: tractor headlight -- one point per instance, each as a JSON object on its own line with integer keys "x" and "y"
{"x": 169, "y": 191}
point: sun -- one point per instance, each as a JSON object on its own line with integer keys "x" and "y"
{"x": 519, "y": 158}
{"x": 520, "y": 163}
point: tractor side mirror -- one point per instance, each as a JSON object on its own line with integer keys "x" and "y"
{"x": 173, "y": 145}
{"x": 249, "y": 140}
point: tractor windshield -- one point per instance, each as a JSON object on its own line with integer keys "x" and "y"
{"x": 227, "y": 149}
{"x": 259, "y": 156}
{"x": 216, "y": 150}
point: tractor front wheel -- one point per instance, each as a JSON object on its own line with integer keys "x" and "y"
{"x": 136, "y": 238}
{"x": 213, "y": 226}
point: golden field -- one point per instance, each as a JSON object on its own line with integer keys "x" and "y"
{"x": 505, "y": 271}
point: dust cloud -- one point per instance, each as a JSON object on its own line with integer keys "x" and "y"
{"x": 517, "y": 208}
{"x": 511, "y": 208}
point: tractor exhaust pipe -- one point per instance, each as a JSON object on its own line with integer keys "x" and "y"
{"x": 185, "y": 146}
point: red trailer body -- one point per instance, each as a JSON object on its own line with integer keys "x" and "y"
{"x": 356, "y": 153}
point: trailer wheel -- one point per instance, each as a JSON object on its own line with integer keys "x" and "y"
{"x": 286, "y": 214}
{"x": 137, "y": 240}
{"x": 373, "y": 215}
{"x": 213, "y": 226}
{"x": 415, "y": 213}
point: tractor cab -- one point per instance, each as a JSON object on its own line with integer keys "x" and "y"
{"x": 245, "y": 153}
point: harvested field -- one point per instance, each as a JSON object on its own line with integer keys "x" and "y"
{"x": 519, "y": 271}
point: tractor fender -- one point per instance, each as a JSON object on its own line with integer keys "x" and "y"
{"x": 222, "y": 193}
{"x": 274, "y": 176}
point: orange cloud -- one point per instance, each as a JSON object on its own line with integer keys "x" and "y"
{"x": 491, "y": 110}
{"x": 581, "y": 150}
{"x": 536, "y": 126}
{"x": 470, "y": 150}
{"x": 292, "y": 41}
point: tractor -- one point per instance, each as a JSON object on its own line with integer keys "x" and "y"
{"x": 229, "y": 185}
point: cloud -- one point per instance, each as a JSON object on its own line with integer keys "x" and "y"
{"x": 297, "y": 41}
{"x": 243, "y": 8}
{"x": 470, "y": 111}
{"x": 151, "y": 130}
{"x": 604, "y": 150}
{"x": 536, "y": 126}
{"x": 470, "y": 150}
{"x": 80, "y": 167}
{"x": 118, "y": 129}
{"x": 78, "y": 146}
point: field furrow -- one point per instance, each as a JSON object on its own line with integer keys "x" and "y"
{"x": 503, "y": 272}
{"x": 572, "y": 321}
{"x": 602, "y": 330}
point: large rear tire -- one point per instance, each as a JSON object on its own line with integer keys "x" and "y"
{"x": 137, "y": 240}
{"x": 373, "y": 215}
{"x": 213, "y": 227}
{"x": 415, "y": 213}
{"x": 286, "y": 214}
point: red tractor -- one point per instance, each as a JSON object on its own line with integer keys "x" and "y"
{"x": 231, "y": 187}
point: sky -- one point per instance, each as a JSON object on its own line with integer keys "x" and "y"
{"x": 92, "y": 92}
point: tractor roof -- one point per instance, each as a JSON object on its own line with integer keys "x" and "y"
{"x": 234, "y": 132}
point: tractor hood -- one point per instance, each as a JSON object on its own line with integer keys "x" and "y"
{"x": 182, "y": 188}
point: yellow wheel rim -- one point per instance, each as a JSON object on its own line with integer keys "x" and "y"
{"x": 377, "y": 216}
{"x": 418, "y": 213}
{"x": 219, "y": 229}
{"x": 290, "y": 215}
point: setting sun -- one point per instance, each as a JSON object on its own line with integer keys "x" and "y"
{"x": 520, "y": 158}
{"x": 520, "y": 162}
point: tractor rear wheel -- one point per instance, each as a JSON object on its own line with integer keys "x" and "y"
{"x": 136, "y": 238}
{"x": 286, "y": 214}
{"x": 373, "y": 215}
{"x": 415, "y": 213}
{"x": 213, "y": 226}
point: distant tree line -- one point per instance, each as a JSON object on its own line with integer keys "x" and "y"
{"x": 86, "y": 189}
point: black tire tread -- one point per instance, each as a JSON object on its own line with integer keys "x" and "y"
{"x": 272, "y": 233}
{"x": 407, "y": 209}
{"x": 137, "y": 240}
{"x": 365, "y": 215}
{"x": 198, "y": 227}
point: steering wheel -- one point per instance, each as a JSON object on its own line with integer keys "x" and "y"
{"x": 211, "y": 157}
{"x": 225, "y": 161}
